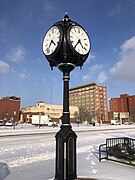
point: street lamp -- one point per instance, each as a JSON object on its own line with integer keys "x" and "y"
{"x": 66, "y": 45}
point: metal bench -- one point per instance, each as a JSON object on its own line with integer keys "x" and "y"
{"x": 118, "y": 149}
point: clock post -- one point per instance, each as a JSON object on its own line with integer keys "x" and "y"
{"x": 66, "y": 45}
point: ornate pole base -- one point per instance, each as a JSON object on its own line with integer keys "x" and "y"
{"x": 65, "y": 153}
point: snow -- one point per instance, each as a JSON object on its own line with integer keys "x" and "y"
{"x": 33, "y": 157}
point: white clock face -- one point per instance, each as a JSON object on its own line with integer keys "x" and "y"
{"x": 79, "y": 40}
{"x": 51, "y": 40}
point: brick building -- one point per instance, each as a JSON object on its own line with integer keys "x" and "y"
{"x": 131, "y": 103}
{"x": 119, "y": 104}
{"x": 92, "y": 99}
{"x": 124, "y": 103}
{"x": 10, "y": 108}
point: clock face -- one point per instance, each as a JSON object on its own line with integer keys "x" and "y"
{"x": 79, "y": 40}
{"x": 51, "y": 40}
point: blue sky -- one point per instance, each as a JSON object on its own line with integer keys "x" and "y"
{"x": 25, "y": 72}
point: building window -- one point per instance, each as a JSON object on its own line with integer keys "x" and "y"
{"x": 15, "y": 113}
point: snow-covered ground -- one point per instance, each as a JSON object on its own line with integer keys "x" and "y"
{"x": 33, "y": 156}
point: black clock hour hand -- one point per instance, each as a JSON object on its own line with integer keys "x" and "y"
{"x": 79, "y": 42}
{"x": 51, "y": 42}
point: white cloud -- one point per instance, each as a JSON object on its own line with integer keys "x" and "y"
{"x": 23, "y": 76}
{"x": 96, "y": 68}
{"x": 16, "y": 54}
{"x": 90, "y": 58}
{"x": 102, "y": 78}
{"x": 48, "y": 6}
{"x": 95, "y": 72}
{"x": 128, "y": 46}
{"x": 4, "y": 68}
{"x": 124, "y": 69}
{"x": 115, "y": 11}
{"x": 86, "y": 78}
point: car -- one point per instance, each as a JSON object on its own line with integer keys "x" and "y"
{"x": 52, "y": 123}
{"x": 9, "y": 124}
{"x": 2, "y": 123}
{"x": 115, "y": 122}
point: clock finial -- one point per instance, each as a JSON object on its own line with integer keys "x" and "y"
{"x": 66, "y": 17}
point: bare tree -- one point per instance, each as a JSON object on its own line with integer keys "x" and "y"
{"x": 76, "y": 117}
{"x": 91, "y": 117}
{"x": 81, "y": 114}
{"x": 132, "y": 116}
{"x": 86, "y": 115}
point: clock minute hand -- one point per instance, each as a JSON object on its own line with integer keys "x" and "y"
{"x": 83, "y": 46}
{"x": 77, "y": 43}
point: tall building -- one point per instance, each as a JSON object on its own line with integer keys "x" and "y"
{"x": 10, "y": 108}
{"x": 124, "y": 103}
{"x": 92, "y": 100}
{"x": 119, "y": 104}
{"x": 131, "y": 103}
{"x": 53, "y": 111}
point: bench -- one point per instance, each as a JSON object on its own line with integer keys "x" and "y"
{"x": 118, "y": 149}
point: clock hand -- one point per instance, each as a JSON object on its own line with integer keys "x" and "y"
{"x": 77, "y": 43}
{"x": 81, "y": 44}
{"x": 51, "y": 42}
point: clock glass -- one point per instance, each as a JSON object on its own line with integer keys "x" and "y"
{"x": 79, "y": 40}
{"x": 51, "y": 40}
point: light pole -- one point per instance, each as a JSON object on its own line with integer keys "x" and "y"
{"x": 39, "y": 119}
{"x": 66, "y": 45}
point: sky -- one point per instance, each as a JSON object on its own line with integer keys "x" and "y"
{"x": 24, "y": 70}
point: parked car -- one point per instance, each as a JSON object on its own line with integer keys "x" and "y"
{"x": 2, "y": 123}
{"x": 52, "y": 123}
{"x": 9, "y": 124}
{"x": 115, "y": 122}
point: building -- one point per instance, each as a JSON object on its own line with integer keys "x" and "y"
{"x": 119, "y": 104}
{"x": 91, "y": 100}
{"x": 131, "y": 103}
{"x": 53, "y": 111}
{"x": 124, "y": 103}
{"x": 122, "y": 117}
{"x": 10, "y": 108}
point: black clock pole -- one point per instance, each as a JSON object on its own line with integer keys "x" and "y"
{"x": 66, "y": 57}
{"x": 66, "y": 137}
